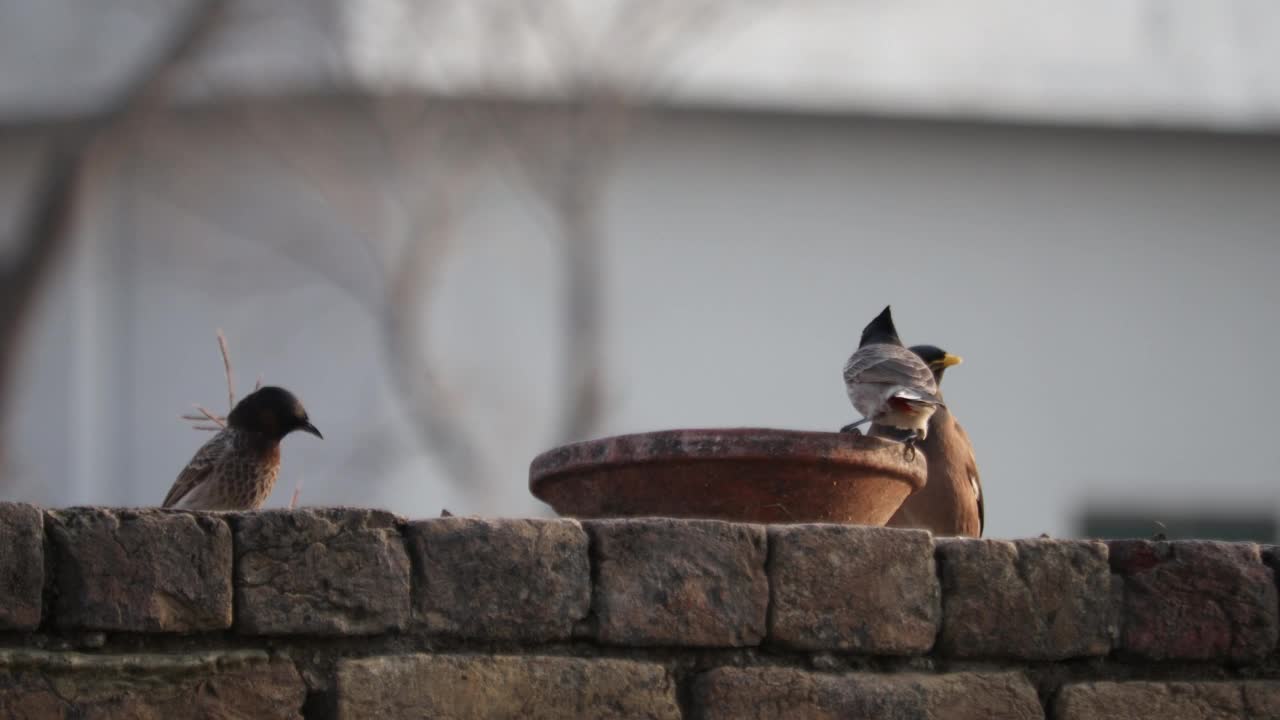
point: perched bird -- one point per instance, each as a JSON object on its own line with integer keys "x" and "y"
{"x": 951, "y": 501}
{"x": 890, "y": 385}
{"x": 237, "y": 468}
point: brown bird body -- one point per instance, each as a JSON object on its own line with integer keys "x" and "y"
{"x": 237, "y": 468}
{"x": 951, "y": 502}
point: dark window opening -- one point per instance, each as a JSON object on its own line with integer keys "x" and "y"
{"x": 1123, "y": 524}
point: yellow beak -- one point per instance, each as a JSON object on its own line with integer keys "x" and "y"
{"x": 948, "y": 360}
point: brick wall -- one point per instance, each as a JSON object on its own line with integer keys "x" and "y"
{"x": 109, "y": 613}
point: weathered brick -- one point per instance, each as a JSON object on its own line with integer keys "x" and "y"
{"x": 768, "y": 693}
{"x": 500, "y": 579}
{"x": 240, "y": 685}
{"x": 1196, "y": 600}
{"x": 1252, "y": 700}
{"x": 524, "y": 687}
{"x": 1027, "y": 599}
{"x": 333, "y": 571}
{"x": 1261, "y": 699}
{"x": 853, "y": 588}
{"x": 679, "y": 582}
{"x": 21, "y": 566}
{"x": 1271, "y": 556}
{"x": 140, "y": 570}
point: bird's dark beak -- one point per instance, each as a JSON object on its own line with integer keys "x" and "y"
{"x": 308, "y": 427}
{"x": 948, "y": 360}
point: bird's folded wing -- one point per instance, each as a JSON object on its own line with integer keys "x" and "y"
{"x": 974, "y": 479}
{"x": 196, "y": 471}
{"x": 890, "y": 365}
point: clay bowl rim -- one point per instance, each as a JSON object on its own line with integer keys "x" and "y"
{"x": 725, "y": 443}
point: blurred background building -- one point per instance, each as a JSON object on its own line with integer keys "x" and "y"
{"x": 464, "y": 231}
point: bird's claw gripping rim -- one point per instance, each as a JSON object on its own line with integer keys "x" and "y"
{"x": 853, "y": 426}
{"x": 909, "y": 445}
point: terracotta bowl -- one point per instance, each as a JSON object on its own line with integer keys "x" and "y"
{"x": 739, "y": 474}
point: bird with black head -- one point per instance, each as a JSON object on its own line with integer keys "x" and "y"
{"x": 951, "y": 502}
{"x": 237, "y": 468}
{"x": 890, "y": 385}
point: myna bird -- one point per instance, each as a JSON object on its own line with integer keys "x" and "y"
{"x": 890, "y": 385}
{"x": 951, "y": 502}
{"x": 237, "y": 468}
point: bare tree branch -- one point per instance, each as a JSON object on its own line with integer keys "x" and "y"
{"x": 45, "y": 226}
{"x": 578, "y": 210}
{"x": 219, "y": 422}
{"x": 572, "y": 180}
{"x": 226, "y": 367}
{"x": 565, "y": 156}
{"x": 438, "y": 421}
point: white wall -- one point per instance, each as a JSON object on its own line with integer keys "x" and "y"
{"x": 1161, "y": 62}
{"x": 1114, "y": 295}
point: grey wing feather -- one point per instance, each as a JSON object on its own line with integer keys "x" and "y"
{"x": 890, "y": 365}
{"x": 198, "y": 470}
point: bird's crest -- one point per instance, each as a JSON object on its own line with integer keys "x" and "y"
{"x": 880, "y": 330}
